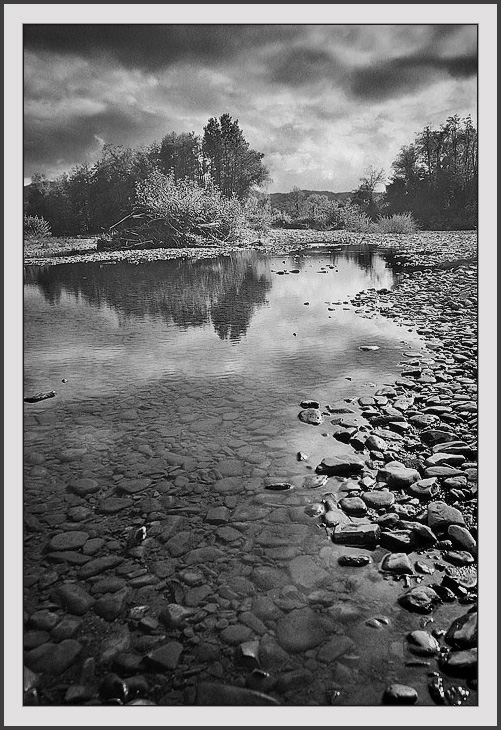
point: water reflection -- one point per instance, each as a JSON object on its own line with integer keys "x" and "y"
{"x": 225, "y": 291}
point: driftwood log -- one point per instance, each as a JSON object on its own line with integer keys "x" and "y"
{"x": 40, "y": 396}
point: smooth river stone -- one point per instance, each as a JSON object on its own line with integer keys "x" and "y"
{"x": 305, "y": 572}
{"x": 377, "y": 499}
{"x": 300, "y": 630}
{"x": 69, "y": 540}
{"x": 441, "y": 515}
{"x": 53, "y": 658}
{"x": 133, "y": 486}
{"x": 397, "y": 475}
{"x": 312, "y": 416}
{"x": 340, "y": 466}
{"x": 400, "y": 694}
{"x": 463, "y": 632}
{"x": 422, "y": 643}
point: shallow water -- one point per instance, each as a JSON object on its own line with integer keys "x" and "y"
{"x": 209, "y": 360}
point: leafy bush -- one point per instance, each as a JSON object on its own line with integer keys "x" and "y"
{"x": 353, "y": 219}
{"x": 36, "y": 227}
{"x": 397, "y": 223}
{"x": 178, "y": 213}
{"x": 258, "y": 215}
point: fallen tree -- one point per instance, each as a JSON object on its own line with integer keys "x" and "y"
{"x": 172, "y": 214}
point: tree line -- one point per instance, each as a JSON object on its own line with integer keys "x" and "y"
{"x": 92, "y": 198}
{"x": 434, "y": 182}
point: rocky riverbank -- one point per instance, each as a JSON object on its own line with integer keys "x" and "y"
{"x": 164, "y": 577}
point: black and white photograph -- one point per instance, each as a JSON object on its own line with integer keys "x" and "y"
{"x": 248, "y": 457}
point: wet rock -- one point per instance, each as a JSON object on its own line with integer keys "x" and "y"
{"x": 441, "y": 459}
{"x": 353, "y": 506}
{"x": 312, "y": 416}
{"x": 376, "y": 443}
{"x": 361, "y": 535}
{"x": 441, "y": 515}
{"x": 65, "y": 629}
{"x": 423, "y": 535}
{"x": 53, "y": 658}
{"x": 354, "y": 561}
{"x": 32, "y": 639}
{"x": 247, "y": 655}
{"x": 212, "y": 693}
{"x": 459, "y": 663}
{"x": 294, "y": 680}
{"x": 420, "y": 599}
{"x": 340, "y": 466}
{"x": 111, "y": 605}
{"x": 113, "y": 687}
{"x": 300, "y": 630}
{"x": 310, "y": 404}
{"x": 278, "y": 486}
{"x": 99, "y": 565}
{"x": 202, "y": 555}
{"x": 264, "y": 608}
{"x": 424, "y": 489}
{"x": 314, "y": 481}
{"x": 433, "y": 436}
{"x": 398, "y": 476}
{"x": 69, "y": 540}
{"x": 463, "y": 632}
{"x": 165, "y": 657}
{"x": 441, "y": 471}
{"x": 230, "y": 467}
{"x": 112, "y": 505}
{"x": 397, "y": 540}
{"x": 44, "y": 620}
{"x": 422, "y": 643}
{"x": 397, "y": 563}
{"x": 173, "y": 616}
{"x": 462, "y": 537}
{"x": 378, "y": 499}
{"x": 436, "y": 688}
{"x": 459, "y": 557}
{"x": 217, "y": 515}
{"x": 267, "y": 578}
{"x": 336, "y": 647}
{"x": 305, "y": 572}
{"x": 400, "y": 694}
{"x": 133, "y": 486}
{"x": 73, "y": 598}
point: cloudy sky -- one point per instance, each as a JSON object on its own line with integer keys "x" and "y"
{"x": 323, "y": 102}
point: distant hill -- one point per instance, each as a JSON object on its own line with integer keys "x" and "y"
{"x": 278, "y": 199}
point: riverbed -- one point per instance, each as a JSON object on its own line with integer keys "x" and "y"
{"x": 179, "y": 388}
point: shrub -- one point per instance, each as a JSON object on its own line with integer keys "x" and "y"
{"x": 258, "y": 215}
{"x": 354, "y": 219}
{"x": 397, "y": 223}
{"x": 36, "y": 227}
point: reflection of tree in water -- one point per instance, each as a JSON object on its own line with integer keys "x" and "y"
{"x": 188, "y": 293}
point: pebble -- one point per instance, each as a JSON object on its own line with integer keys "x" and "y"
{"x": 400, "y": 694}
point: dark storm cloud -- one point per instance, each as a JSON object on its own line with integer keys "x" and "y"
{"x": 74, "y": 140}
{"x": 153, "y": 47}
{"x": 405, "y": 75}
{"x": 301, "y": 66}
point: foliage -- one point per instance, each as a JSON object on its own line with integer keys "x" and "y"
{"x": 91, "y": 199}
{"x": 233, "y": 166}
{"x": 36, "y": 227}
{"x": 364, "y": 196}
{"x": 436, "y": 177}
{"x": 176, "y": 213}
{"x": 258, "y": 214}
{"x": 397, "y": 223}
{"x": 354, "y": 219}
